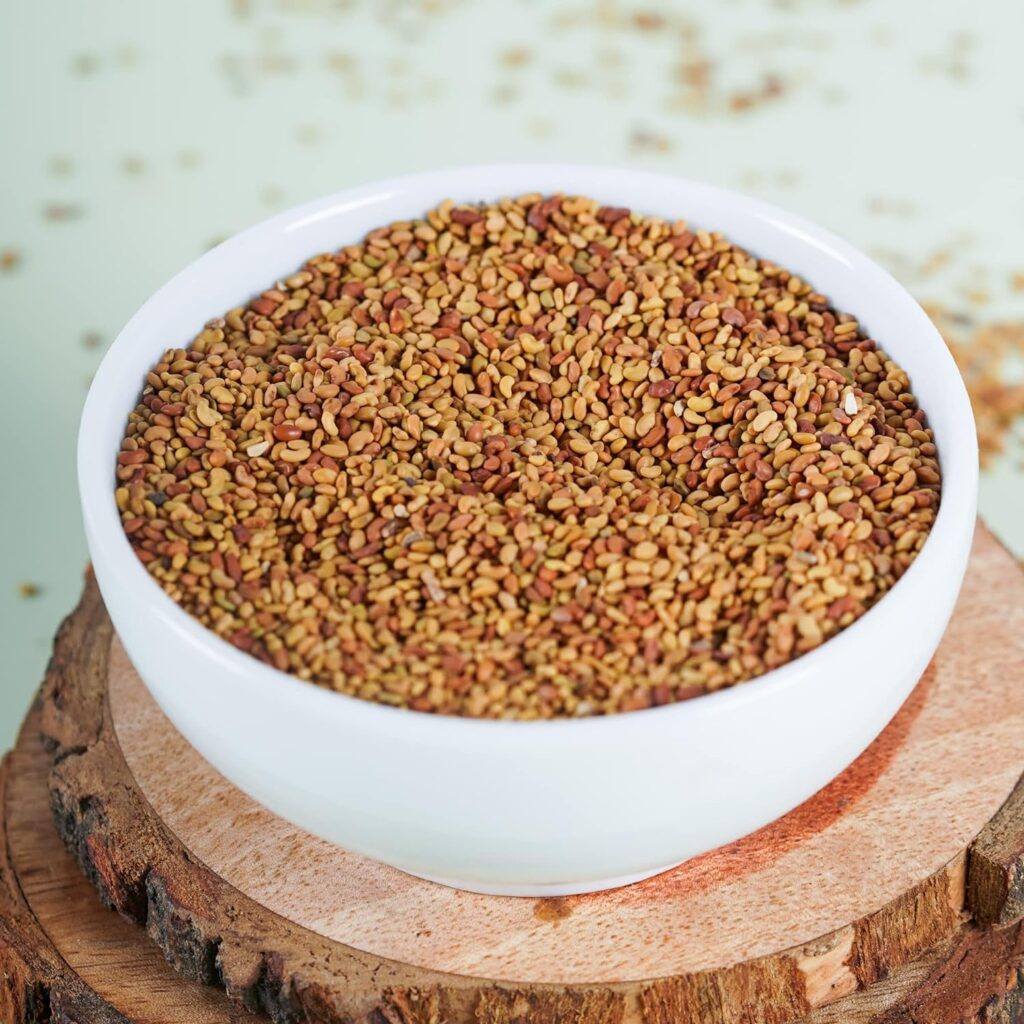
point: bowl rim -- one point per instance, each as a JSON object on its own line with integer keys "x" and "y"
{"x": 959, "y": 460}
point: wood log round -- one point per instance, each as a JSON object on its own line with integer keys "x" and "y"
{"x": 65, "y": 958}
{"x": 945, "y": 946}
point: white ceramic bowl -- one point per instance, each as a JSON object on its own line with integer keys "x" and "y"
{"x": 548, "y": 807}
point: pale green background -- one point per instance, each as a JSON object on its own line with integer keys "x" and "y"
{"x": 153, "y": 130}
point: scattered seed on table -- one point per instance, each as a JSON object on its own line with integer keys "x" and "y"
{"x": 62, "y": 211}
{"x": 133, "y": 166}
{"x": 986, "y": 354}
{"x": 61, "y": 165}
{"x": 529, "y": 459}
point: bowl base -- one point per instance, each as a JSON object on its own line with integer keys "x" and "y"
{"x": 541, "y": 889}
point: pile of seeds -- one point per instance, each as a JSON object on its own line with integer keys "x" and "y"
{"x": 531, "y": 459}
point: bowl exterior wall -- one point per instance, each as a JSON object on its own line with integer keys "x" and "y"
{"x": 551, "y": 806}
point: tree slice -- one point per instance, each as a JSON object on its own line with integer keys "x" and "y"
{"x": 920, "y": 795}
{"x": 64, "y": 958}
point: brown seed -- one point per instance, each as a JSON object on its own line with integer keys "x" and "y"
{"x": 645, "y": 551}
{"x": 671, "y": 361}
{"x": 287, "y": 432}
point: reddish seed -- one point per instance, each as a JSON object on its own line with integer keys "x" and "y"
{"x": 286, "y": 432}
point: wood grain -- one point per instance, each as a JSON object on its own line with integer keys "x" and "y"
{"x": 915, "y": 956}
{"x": 903, "y": 812}
{"x": 64, "y": 958}
{"x": 35, "y": 983}
{"x": 996, "y": 893}
{"x": 108, "y": 970}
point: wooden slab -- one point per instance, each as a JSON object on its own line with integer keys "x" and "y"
{"x": 64, "y": 958}
{"x": 864, "y": 885}
{"x": 905, "y": 810}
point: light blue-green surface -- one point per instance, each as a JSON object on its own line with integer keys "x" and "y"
{"x": 134, "y": 135}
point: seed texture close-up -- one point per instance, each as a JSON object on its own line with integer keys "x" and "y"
{"x": 529, "y": 459}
